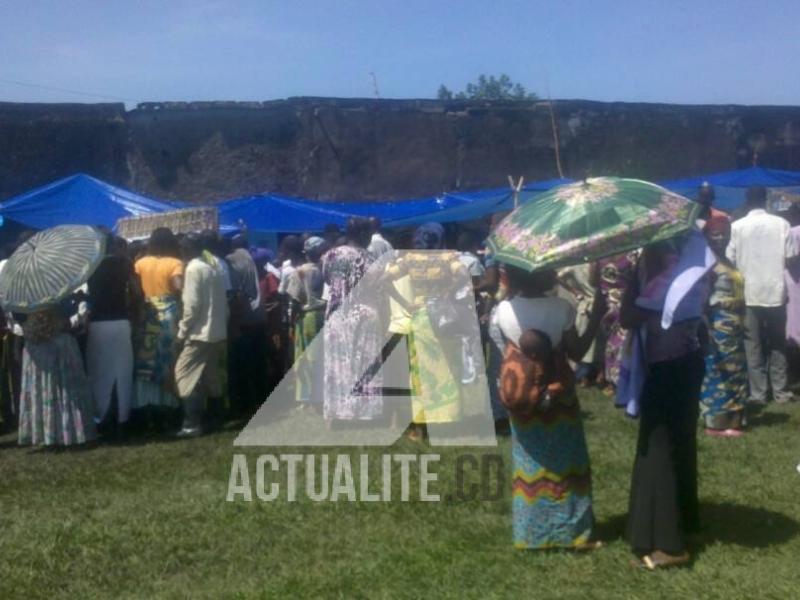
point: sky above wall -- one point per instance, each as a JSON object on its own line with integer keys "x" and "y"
{"x": 699, "y": 52}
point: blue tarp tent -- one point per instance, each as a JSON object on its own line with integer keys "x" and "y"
{"x": 392, "y": 210}
{"x": 275, "y": 213}
{"x": 80, "y": 200}
{"x": 271, "y": 212}
{"x": 470, "y": 206}
{"x": 731, "y": 186}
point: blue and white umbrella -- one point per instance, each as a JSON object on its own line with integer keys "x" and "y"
{"x": 50, "y": 266}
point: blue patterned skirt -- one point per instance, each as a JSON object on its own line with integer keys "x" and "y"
{"x": 724, "y": 391}
{"x": 552, "y": 481}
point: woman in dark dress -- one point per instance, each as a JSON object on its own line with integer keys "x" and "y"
{"x": 663, "y": 502}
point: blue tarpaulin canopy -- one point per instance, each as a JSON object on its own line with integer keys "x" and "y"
{"x": 730, "y": 186}
{"x": 279, "y": 214}
{"x": 79, "y": 200}
{"x": 392, "y": 210}
{"x": 271, "y": 212}
{"x": 476, "y": 205}
{"x": 82, "y": 199}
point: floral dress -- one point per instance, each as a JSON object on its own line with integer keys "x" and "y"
{"x": 352, "y": 339}
{"x": 56, "y": 399}
{"x": 615, "y": 272}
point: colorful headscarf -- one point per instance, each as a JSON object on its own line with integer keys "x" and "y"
{"x": 429, "y": 236}
{"x": 718, "y": 223}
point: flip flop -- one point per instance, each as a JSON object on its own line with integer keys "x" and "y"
{"x": 589, "y": 546}
{"x": 730, "y": 433}
{"x": 661, "y": 560}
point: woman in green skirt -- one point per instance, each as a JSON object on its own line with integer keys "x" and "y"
{"x": 308, "y": 314}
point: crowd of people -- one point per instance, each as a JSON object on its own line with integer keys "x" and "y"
{"x": 186, "y": 331}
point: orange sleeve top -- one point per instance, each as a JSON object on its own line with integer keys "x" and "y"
{"x": 156, "y": 273}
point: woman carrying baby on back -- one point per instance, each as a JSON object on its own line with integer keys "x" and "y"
{"x": 552, "y": 500}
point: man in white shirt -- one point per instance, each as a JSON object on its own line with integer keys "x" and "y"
{"x": 202, "y": 331}
{"x": 378, "y": 245}
{"x": 290, "y": 253}
{"x": 759, "y": 248}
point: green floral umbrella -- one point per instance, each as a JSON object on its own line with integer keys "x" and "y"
{"x": 584, "y": 221}
{"x": 50, "y": 266}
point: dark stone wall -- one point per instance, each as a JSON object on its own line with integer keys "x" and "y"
{"x": 43, "y": 142}
{"x": 372, "y": 149}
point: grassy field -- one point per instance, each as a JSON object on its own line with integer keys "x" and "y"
{"x": 149, "y": 518}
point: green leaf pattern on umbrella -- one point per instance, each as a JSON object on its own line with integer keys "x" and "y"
{"x": 50, "y": 266}
{"x": 588, "y": 220}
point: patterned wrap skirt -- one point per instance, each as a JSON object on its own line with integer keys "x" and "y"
{"x": 725, "y": 390}
{"x": 156, "y": 354}
{"x": 56, "y": 399}
{"x": 435, "y": 368}
{"x": 614, "y": 336}
{"x": 551, "y": 481}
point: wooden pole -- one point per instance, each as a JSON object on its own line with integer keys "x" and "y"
{"x": 375, "y": 85}
{"x": 556, "y": 141}
{"x": 516, "y": 187}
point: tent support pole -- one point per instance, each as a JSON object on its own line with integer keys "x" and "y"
{"x": 515, "y": 188}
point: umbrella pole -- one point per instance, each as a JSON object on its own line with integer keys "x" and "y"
{"x": 515, "y": 188}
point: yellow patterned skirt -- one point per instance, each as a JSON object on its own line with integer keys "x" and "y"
{"x": 435, "y": 367}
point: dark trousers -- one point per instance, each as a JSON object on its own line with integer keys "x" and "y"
{"x": 11, "y": 374}
{"x": 247, "y": 369}
{"x": 663, "y": 501}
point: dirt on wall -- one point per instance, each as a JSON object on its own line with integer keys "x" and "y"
{"x": 330, "y": 148}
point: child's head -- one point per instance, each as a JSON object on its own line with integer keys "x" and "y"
{"x": 536, "y": 345}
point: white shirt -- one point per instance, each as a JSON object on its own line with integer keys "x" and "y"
{"x": 270, "y": 268}
{"x": 287, "y": 268}
{"x": 205, "y": 303}
{"x": 378, "y": 246}
{"x": 552, "y": 316}
{"x": 760, "y": 244}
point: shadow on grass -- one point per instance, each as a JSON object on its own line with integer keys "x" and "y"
{"x": 10, "y": 443}
{"x": 724, "y": 523}
{"x": 765, "y": 419}
{"x": 114, "y": 438}
{"x": 747, "y": 526}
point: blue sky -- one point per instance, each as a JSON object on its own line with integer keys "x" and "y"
{"x": 732, "y": 51}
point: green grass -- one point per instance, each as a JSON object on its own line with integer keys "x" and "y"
{"x": 150, "y": 519}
